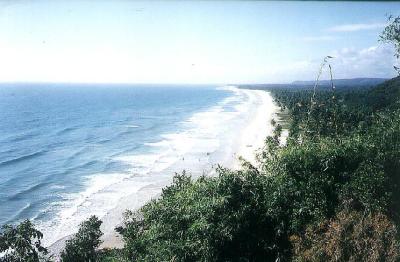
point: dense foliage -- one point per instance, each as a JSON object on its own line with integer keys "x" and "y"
{"x": 21, "y": 243}
{"x": 391, "y": 35}
{"x": 221, "y": 218}
{"x": 83, "y": 245}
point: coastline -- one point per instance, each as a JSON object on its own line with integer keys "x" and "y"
{"x": 249, "y": 141}
{"x": 254, "y": 134}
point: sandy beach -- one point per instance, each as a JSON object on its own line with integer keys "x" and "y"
{"x": 254, "y": 134}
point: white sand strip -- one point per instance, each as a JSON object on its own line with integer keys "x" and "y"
{"x": 254, "y": 134}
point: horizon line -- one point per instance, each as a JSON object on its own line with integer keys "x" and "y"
{"x": 158, "y": 83}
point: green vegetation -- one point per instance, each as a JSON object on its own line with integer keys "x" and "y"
{"x": 82, "y": 246}
{"x": 22, "y": 243}
{"x": 331, "y": 193}
{"x": 391, "y": 35}
{"x": 221, "y": 218}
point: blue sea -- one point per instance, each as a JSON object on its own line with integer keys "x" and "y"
{"x": 68, "y": 151}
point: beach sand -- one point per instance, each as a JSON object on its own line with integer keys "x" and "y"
{"x": 253, "y": 136}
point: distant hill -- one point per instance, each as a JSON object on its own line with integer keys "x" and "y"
{"x": 386, "y": 94}
{"x": 345, "y": 82}
{"x": 339, "y": 83}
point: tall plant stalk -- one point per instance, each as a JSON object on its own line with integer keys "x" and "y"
{"x": 312, "y": 101}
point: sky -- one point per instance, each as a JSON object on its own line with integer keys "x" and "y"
{"x": 191, "y": 42}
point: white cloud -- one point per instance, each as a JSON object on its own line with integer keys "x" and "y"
{"x": 318, "y": 38}
{"x": 374, "y": 61}
{"x": 356, "y": 27}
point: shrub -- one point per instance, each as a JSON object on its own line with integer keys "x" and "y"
{"x": 22, "y": 243}
{"x": 82, "y": 246}
{"x": 223, "y": 218}
{"x": 111, "y": 255}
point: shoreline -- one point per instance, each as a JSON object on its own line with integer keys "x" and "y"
{"x": 249, "y": 141}
{"x": 254, "y": 134}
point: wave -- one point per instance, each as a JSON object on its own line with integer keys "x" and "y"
{"x": 102, "y": 193}
{"x": 82, "y": 150}
{"x": 124, "y": 133}
{"x": 22, "y": 137}
{"x": 75, "y": 168}
{"x": 126, "y": 150}
{"x": 20, "y": 213}
{"x": 22, "y": 158}
{"x": 66, "y": 130}
{"x": 87, "y": 164}
{"x": 104, "y": 141}
{"x": 23, "y": 210}
{"x": 24, "y": 193}
{"x": 130, "y": 129}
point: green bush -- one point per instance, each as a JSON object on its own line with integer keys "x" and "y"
{"x": 22, "y": 243}
{"x": 111, "y": 255}
{"x": 311, "y": 179}
{"x": 82, "y": 246}
{"x": 223, "y": 218}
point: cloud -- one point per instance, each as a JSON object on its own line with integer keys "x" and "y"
{"x": 356, "y": 27}
{"x": 318, "y": 38}
{"x": 373, "y": 61}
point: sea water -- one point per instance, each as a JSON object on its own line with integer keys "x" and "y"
{"x": 68, "y": 151}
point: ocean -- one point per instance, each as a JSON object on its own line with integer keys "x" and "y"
{"x": 68, "y": 151}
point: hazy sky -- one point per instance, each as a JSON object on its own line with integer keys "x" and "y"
{"x": 191, "y": 42}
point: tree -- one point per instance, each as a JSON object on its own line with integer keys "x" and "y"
{"x": 223, "y": 218}
{"x": 391, "y": 34}
{"x": 82, "y": 246}
{"x": 22, "y": 243}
